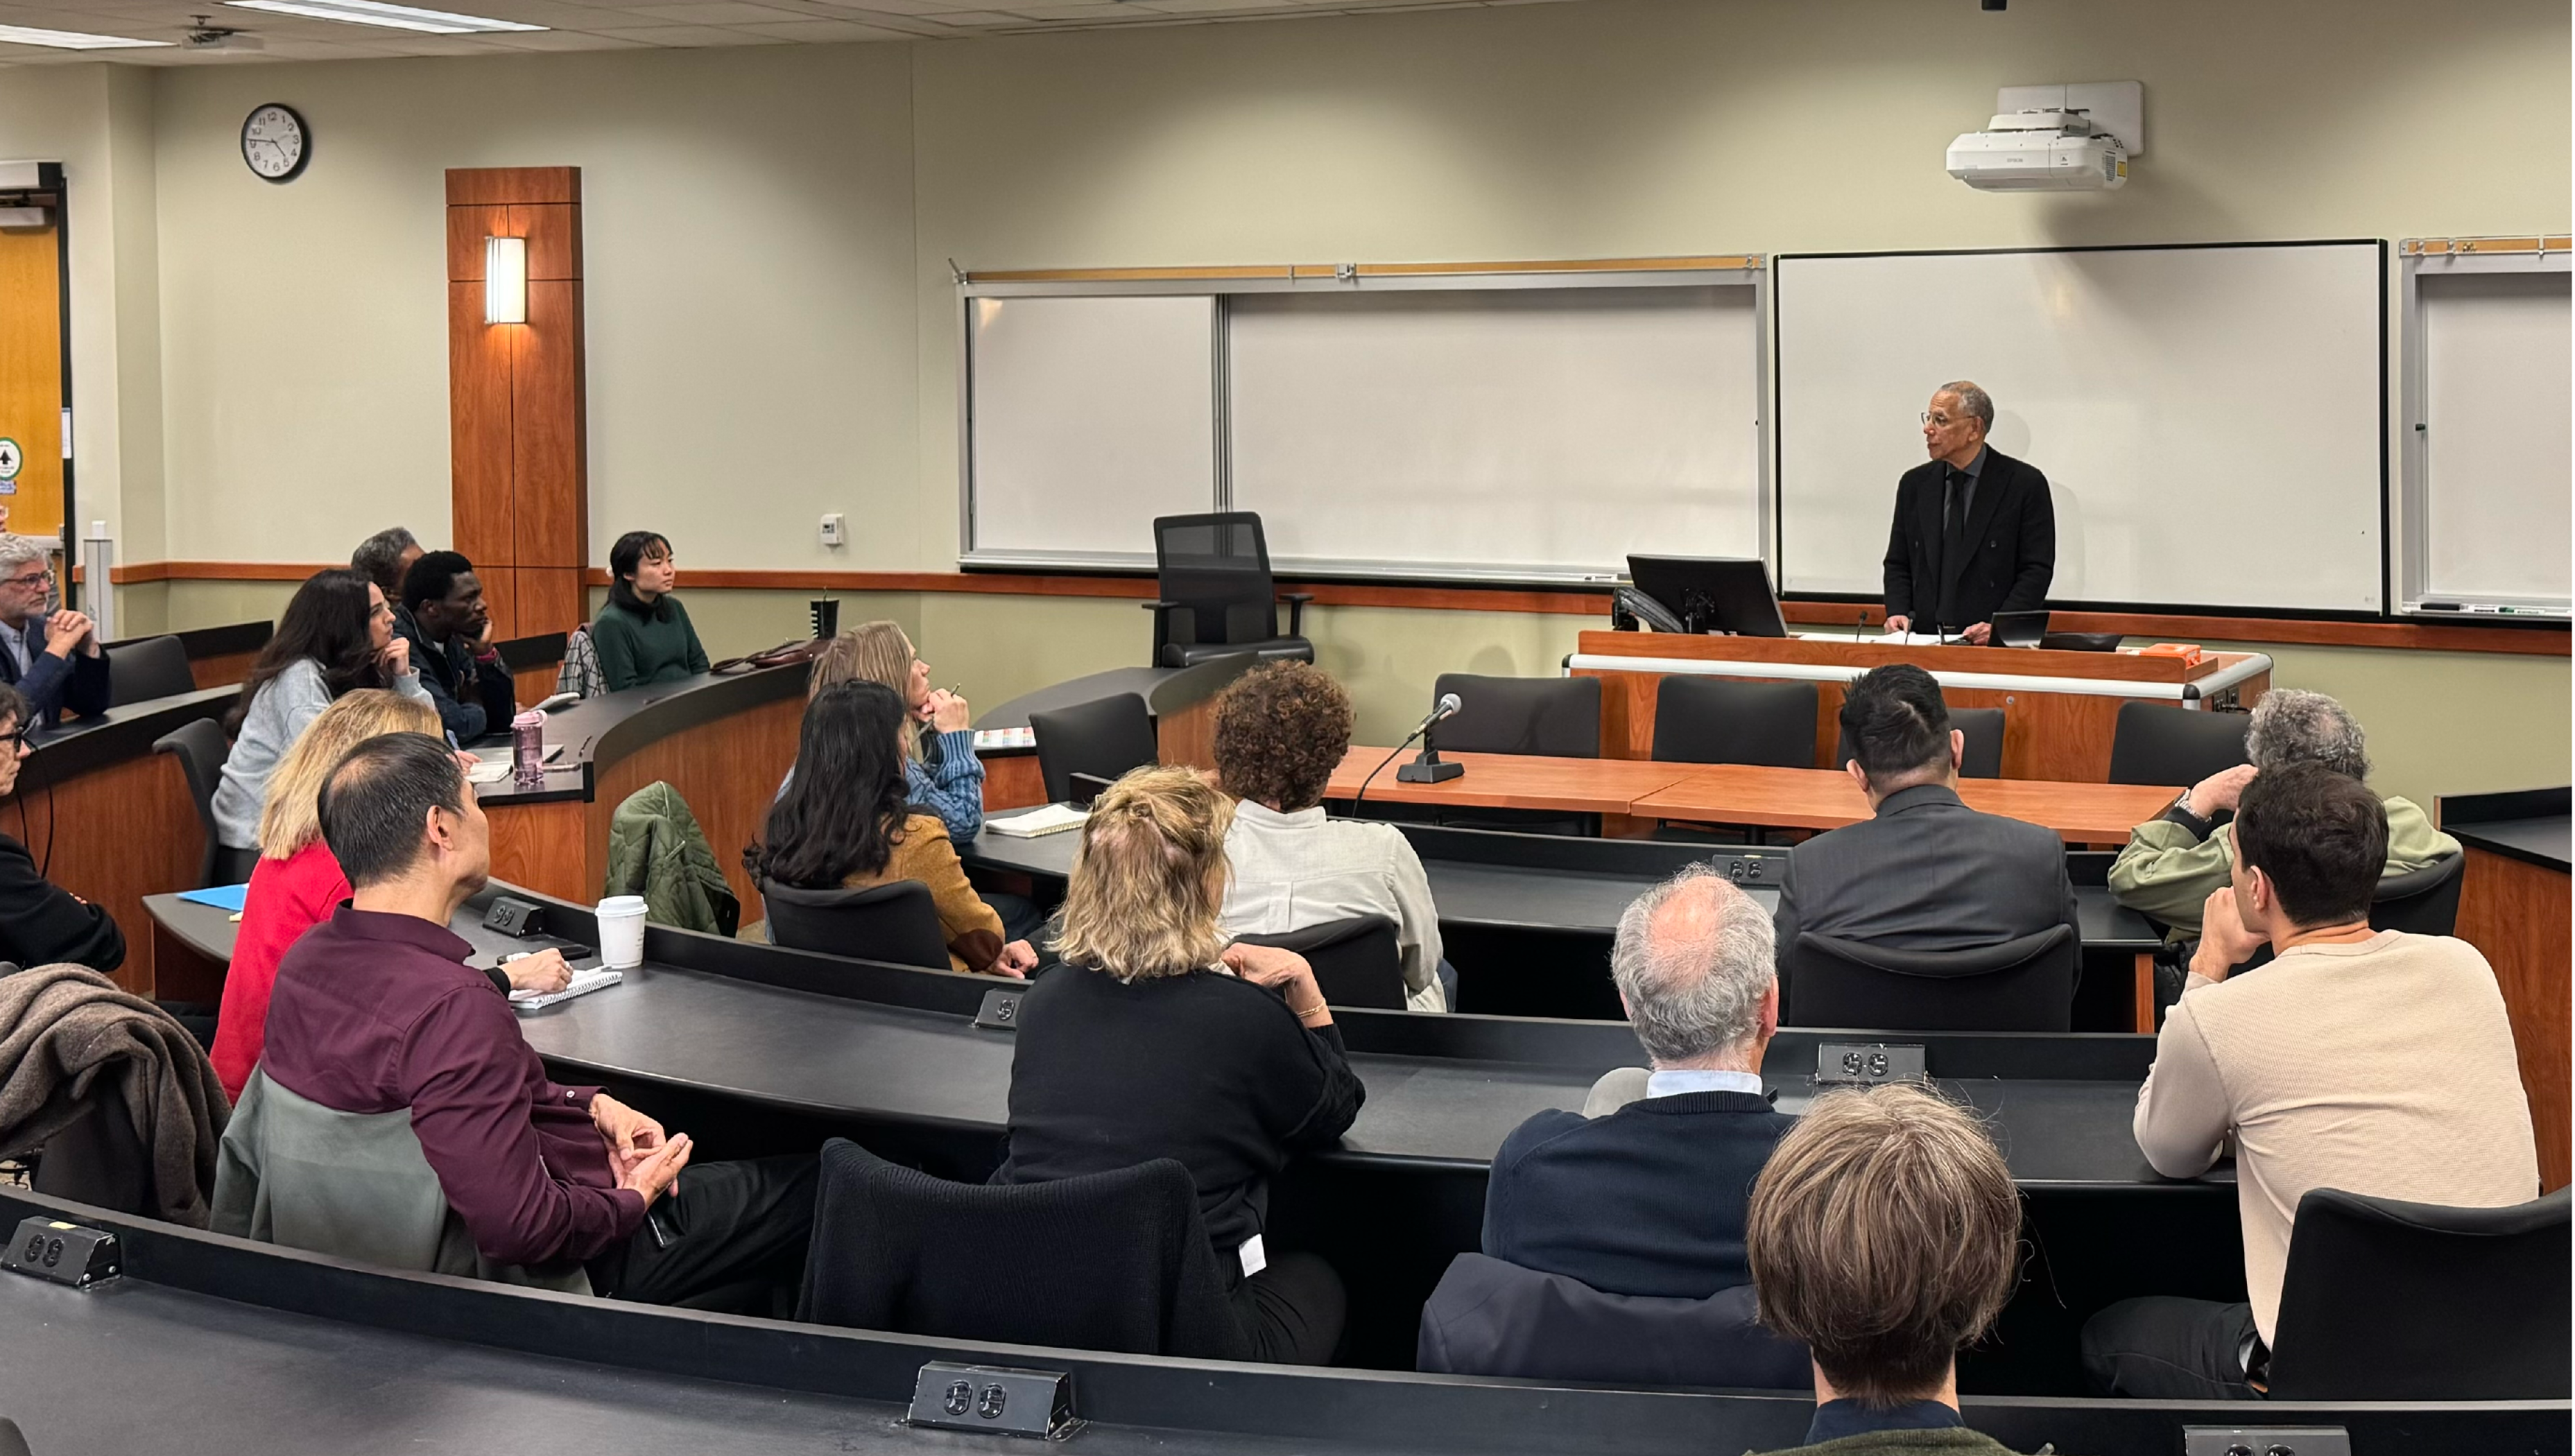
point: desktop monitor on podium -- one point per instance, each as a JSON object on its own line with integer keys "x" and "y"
{"x": 1710, "y": 594}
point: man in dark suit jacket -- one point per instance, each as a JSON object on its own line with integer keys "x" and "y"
{"x": 1650, "y": 1199}
{"x": 1975, "y": 532}
{"x": 1928, "y": 872}
{"x": 52, "y": 658}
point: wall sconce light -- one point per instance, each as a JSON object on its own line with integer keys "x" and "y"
{"x": 505, "y": 279}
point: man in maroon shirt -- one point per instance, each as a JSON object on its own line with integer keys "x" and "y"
{"x": 375, "y": 1010}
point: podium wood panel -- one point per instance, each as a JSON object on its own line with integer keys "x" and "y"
{"x": 1826, "y": 798}
{"x": 115, "y": 834}
{"x": 2515, "y": 913}
{"x": 1512, "y": 781}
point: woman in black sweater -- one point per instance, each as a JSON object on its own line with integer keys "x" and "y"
{"x": 41, "y": 923}
{"x": 1156, "y": 1039}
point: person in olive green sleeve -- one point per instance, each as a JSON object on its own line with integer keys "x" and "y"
{"x": 642, "y": 633}
{"x": 2172, "y": 864}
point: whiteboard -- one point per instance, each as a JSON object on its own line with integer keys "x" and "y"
{"x": 2497, "y": 473}
{"x": 2175, "y": 398}
{"x": 1086, "y": 418}
{"x": 1526, "y": 433}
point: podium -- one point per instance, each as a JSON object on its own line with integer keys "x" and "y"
{"x": 2060, "y": 708}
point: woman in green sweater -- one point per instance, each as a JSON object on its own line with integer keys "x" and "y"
{"x": 642, "y": 633}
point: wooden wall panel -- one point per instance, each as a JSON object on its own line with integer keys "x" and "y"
{"x": 482, "y": 524}
{"x": 501, "y": 596}
{"x": 553, "y": 232}
{"x": 549, "y": 484}
{"x": 551, "y": 599}
{"x": 467, "y": 227}
{"x": 2516, "y": 914}
{"x": 487, "y": 186}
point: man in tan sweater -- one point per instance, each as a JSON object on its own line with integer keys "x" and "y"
{"x": 2372, "y": 1062}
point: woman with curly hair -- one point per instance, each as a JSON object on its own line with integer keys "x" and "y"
{"x": 1281, "y": 729}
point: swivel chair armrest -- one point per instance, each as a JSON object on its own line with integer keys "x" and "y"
{"x": 1296, "y": 610}
{"x": 1161, "y": 606}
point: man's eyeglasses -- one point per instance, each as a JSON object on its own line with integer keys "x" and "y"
{"x": 1943, "y": 421}
{"x": 40, "y": 579}
{"x": 14, "y": 741}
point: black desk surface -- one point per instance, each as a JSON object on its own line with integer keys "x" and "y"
{"x": 85, "y": 745}
{"x": 2530, "y": 825}
{"x": 601, "y": 730}
{"x": 856, "y": 1060}
{"x": 1505, "y": 895}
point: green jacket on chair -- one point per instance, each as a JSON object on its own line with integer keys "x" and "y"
{"x": 656, "y": 850}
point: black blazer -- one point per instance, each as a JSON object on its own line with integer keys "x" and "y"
{"x": 2011, "y": 543}
{"x": 1648, "y": 1201}
{"x": 1926, "y": 873}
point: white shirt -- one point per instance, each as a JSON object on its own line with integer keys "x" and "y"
{"x": 1291, "y": 870}
{"x": 1695, "y": 1079}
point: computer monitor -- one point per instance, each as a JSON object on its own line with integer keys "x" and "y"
{"x": 1711, "y": 594}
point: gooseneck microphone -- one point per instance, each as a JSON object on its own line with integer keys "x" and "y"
{"x": 1448, "y": 708}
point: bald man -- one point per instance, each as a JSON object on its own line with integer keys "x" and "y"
{"x": 1974, "y": 535}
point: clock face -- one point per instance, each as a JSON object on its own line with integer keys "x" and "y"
{"x": 274, "y": 142}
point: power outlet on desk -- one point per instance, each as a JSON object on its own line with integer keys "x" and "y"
{"x": 1000, "y": 1011}
{"x": 2265, "y": 1441}
{"x": 1867, "y": 1063}
{"x": 65, "y": 1253}
{"x": 1034, "y": 1403}
{"x": 1749, "y": 868}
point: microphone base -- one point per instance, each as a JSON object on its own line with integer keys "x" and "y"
{"x": 1430, "y": 770}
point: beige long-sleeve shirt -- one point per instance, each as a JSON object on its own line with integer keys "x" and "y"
{"x": 2383, "y": 1067}
{"x": 1291, "y": 870}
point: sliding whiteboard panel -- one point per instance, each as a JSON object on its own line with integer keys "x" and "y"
{"x": 2210, "y": 420}
{"x": 1529, "y": 432}
{"x": 1086, "y": 418}
{"x": 2493, "y": 474}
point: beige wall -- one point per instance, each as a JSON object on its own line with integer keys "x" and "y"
{"x": 772, "y": 327}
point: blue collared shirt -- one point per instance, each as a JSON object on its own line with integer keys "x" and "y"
{"x": 1693, "y": 1079}
{"x": 1835, "y": 1419}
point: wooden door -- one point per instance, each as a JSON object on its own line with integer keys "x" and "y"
{"x": 31, "y": 378}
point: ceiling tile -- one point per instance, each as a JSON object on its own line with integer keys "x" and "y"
{"x": 682, "y": 35}
{"x": 710, "y": 12}
{"x": 824, "y": 32}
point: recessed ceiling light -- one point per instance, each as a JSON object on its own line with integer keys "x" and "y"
{"x": 375, "y": 12}
{"x": 71, "y": 40}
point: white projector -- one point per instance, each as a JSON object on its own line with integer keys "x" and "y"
{"x": 2039, "y": 151}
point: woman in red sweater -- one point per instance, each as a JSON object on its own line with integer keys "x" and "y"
{"x": 297, "y": 882}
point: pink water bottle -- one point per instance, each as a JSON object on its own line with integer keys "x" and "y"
{"x": 528, "y": 749}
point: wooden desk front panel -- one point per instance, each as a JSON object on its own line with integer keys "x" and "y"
{"x": 118, "y": 834}
{"x": 1012, "y": 781}
{"x": 222, "y": 672}
{"x": 1512, "y": 781}
{"x": 728, "y": 770}
{"x": 2515, "y": 913}
{"x": 1823, "y": 799}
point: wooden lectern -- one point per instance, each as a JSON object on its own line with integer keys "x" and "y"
{"x": 2060, "y": 708}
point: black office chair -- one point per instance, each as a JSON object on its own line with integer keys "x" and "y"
{"x": 897, "y": 923}
{"x": 2156, "y": 743}
{"x": 1724, "y": 721}
{"x": 2386, "y": 1301}
{"x": 2026, "y": 984}
{"x": 2421, "y": 902}
{"x": 97, "y": 1158}
{"x": 156, "y": 666}
{"x": 1491, "y": 1317}
{"x": 1107, "y": 1262}
{"x": 1357, "y": 962}
{"x": 1104, "y": 737}
{"x": 200, "y": 747}
{"x": 1218, "y": 595}
{"x": 1984, "y": 751}
{"x": 1552, "y": 717}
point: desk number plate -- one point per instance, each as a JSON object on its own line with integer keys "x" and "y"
{"x": 2265, "y": 1441}
{"x": 1032, "y": 1403}
{"x": 63, "y": 1252}
{"x": 1867, "y": 1063}
{"x": 1000, "y": 1011}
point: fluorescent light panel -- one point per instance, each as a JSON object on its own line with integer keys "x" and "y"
{"x": 71, "y": 40}
{"x": 376, "y": 12}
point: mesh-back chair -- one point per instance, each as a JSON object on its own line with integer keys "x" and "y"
{"x": 1357, "y": 962}
{"x": 1722, "y": 721}
{"x": 200, "y": 747}
{"x": 1984, "y": 757}
{"x": 2026, "y": 984}
{"x": 1104, "y": 737}
{"x": 2158, "y": 744}
{"x": 1104, "y": 1261}
{"x": 2421, "y": 902}
{"x": 138, "y": 672}
{"x": 2385, "y": 1300}
{"x": 1552, "y": 717}
{"x": 1217, "y": 597}
{"x": 897, "y": 923}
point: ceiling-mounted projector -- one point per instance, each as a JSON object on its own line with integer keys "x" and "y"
{"x": 2069, "y": 138}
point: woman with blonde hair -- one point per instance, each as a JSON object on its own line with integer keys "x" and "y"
{"x": 297, "y": 882}
{"x": 942, "y": 776}
{"x": 1155, "y": 1039}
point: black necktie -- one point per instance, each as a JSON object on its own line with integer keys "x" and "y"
{"x": 1954, "y": 527}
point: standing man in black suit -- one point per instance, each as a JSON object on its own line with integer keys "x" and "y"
{"x": 1925, "y": 873}
{"x": 1975, "y": 532}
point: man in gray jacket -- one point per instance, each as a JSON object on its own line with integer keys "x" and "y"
{"x": 1927, "y": 873}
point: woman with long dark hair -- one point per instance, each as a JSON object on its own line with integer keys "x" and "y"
{"x": 642, "y": 633}
{"x": 844, "y": 821}
{"x": 337, "y": 635}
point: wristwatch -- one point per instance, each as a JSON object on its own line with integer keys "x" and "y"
{"x": 2183, "y": 803}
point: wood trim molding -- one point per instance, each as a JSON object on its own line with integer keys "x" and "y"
{"x": 2535, "y": 641}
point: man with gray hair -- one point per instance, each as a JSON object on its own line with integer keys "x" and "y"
{"x": 53, "y": 658}
{"x": 1976, "y": 531}
{"x": 2173, "y": 864}
{"x": 1650, "y": 1198}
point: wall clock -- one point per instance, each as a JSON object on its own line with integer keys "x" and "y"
{"x": 274, "y": 143}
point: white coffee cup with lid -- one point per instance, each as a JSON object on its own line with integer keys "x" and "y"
{"x": 621, "y": 931}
